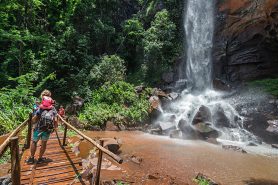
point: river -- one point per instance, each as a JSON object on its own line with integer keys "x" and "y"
{"x": 179, "y": 161}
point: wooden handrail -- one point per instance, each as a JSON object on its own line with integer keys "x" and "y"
{"x": 115, "y": 157}
{"x": 13, "y": 134}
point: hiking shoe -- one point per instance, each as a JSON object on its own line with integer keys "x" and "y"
{"x": 41, "y": 160}
{"x": 30, "y": 160}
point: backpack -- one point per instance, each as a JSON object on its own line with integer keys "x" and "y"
{"x": 46, "y": 122}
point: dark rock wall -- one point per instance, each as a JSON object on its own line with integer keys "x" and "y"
{"x": 246, "y": 40}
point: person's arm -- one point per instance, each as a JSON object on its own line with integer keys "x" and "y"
{"x": 56, "y": 122}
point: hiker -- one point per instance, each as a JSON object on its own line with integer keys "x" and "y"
{"x": 61, "y": 111}
{"x": 35, "y": 107}
{"x": 46, "y": 122}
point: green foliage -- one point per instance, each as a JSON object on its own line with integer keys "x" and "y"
{"x": 16, "y": 103}
{"x": 109, "y": 69}
{"x": 117, "y": 101}
{"x": 5, "y": 157}
{"x": 159, "y": 48}
{"x": 268, "y": 85}
{"x": 82, "y": 45}
{"x": 202, "y": 181}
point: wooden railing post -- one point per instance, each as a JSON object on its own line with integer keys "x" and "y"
{"x": 29, "y": 132}
{"x": 99, "y": 164}
{"x": 15, "y": 161}
{"x": 65, "y": 135}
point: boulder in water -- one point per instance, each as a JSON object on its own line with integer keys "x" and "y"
{"x": 175, "y": 134}
{"x": 233, "y": 148}
{"x": 203, "y": 127}
{"x": 220, "y": 119}
{"x": 274, "y": 146}
{"x": 110, "y": 126}
{"x": 257, "y": 124}
{"x": 187, "y": 131}
{"x": 203, "y": 115}
{"x": 220, "y": 85}
{"x": 273, "y": 127}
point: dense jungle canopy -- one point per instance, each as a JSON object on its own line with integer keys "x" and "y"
{"x": 73, "y": 47}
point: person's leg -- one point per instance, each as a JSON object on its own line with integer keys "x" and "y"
{"x": 43, "y": 148}
{"x": 33, "y": 149}
{"x": 44, "y": 139}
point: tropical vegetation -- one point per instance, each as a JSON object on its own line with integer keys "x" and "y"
{"x": 75, "y": 47}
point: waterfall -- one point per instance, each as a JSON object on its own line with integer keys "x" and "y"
{"x": 199, "y": 99}
{"x": 199, "y": 27}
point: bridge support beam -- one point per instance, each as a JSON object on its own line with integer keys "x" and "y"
{"x": 15, "y": 161}
{"x": 29, "y": 132}
{"x": 99, "y": 164}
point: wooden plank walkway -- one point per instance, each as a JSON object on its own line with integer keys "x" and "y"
{"x": 64, "y": 166}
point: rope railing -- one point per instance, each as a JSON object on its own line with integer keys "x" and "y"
{"x": 13, "y": 134}
{"x": 12, "y": 142}
{"x": 104, "y": 150}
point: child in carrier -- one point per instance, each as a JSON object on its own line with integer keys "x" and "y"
{"x": 46, "y": 104}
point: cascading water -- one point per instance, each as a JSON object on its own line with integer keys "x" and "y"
{"x": 199, "y": 26}
{"x": 199, "y": 107}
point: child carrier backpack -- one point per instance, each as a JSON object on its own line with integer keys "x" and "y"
{"x": 46, "y": 122}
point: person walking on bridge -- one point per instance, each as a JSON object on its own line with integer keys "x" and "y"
{"x": 45, "y": 123}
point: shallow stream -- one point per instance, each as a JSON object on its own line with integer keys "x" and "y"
{"x": 179, "y": 161}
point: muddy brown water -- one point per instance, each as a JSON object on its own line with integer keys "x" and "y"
{"x": 173, "y": 161}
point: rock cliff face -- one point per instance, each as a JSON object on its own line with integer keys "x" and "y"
{"x": 246, "y": 40}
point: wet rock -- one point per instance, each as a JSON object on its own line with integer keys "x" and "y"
{"x": 136, "y": 159}
{"x": 111, "y": 144}
{"x": 220, "y": 85}
{"x": 168, "y": 77}
{"x": 203, "y": 115}
{"x": 203, "y": 127}
{"x": 272, "y": 130}
{"x": 187, "y": 131}
{"x": 153, "y": 176}
{"x": 175, "y": 134}
{"x": 212, "y": 141}
{"x": 155, "y": 129}
{"x": 246, "y": 40}
{"x": 159, "y": 93}
{"x": 274, "y": 146}
{"x": 92, "y": 127}
{"x": 155, "y": 102}
{"x": 122, "y": 127}
{"x": 110, "y": 126}
{"x": 273, "y": 127}
{"x": 257, "y": 124}
{"x": 271, "y": 101}
{"x": 234, "y": 148}
{"x": 252, "y": 144}
{"x": 174, "y": 95}
{"x": 220, "y": 119}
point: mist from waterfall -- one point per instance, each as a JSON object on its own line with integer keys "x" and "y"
{"x": 222, "y": 116}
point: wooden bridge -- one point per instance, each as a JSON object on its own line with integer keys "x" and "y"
{"x": 62, "y": 166}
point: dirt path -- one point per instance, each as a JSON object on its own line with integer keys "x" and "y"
{"x": 170, "y": 161}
